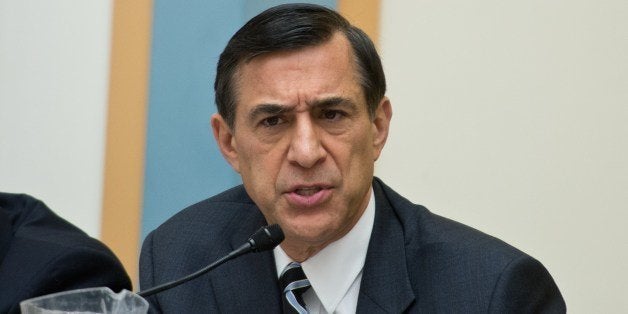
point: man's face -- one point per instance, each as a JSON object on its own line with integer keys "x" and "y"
{"x": 304, "y": 142}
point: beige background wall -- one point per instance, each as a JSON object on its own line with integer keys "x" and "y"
{"x": 54, "y": 71}
{"x": 512, "y": 117}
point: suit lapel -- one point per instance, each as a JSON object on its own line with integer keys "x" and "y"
{"x": 247, "y": 284}
{"x": 385, "y": 286}
{"x": 251, "y": 279}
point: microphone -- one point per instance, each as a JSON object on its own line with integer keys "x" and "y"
{"x": 266, "y": 238}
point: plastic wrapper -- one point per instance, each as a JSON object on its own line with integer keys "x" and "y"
{"x": 82, "y": 301}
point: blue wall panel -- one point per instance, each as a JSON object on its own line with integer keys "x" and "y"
{"x": 183, "y": 164}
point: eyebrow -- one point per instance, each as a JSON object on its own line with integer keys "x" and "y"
{"x": 334, "y": 101}
{"x": 276, "y": 109}
{"x": 268, "y": 109}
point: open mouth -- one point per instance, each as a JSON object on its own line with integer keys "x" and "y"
{"x": 309, "y": 196}
{"x": 309, "y": 191}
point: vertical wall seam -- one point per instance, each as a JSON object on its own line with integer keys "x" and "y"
{"x": 364, "y": 14}
{"x": 126, "y": 131}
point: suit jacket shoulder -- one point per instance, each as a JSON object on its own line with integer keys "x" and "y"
{"x": 45, "y": 254}
{"x": 194, "y": 238}
{"x": 416, "y": 262}
{"x": 419, "y": 261}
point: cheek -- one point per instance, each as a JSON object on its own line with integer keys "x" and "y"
{"x": 259, "y": 169}
{"x": 360, "y": 145}
{"x": 252, "y": 153}
{"x": 360, "y": 156}
{"x": 353, "y": 158}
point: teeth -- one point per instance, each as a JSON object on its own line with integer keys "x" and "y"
{"x": 307, "y": 191}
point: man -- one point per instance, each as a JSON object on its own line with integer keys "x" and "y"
{"x": 40, "y": 254}
{"x": 302, "y": 118}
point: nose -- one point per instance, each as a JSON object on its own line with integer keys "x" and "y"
{"x": 306, "y": 149}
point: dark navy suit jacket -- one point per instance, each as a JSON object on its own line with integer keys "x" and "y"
{"x": 417, "y": 262}
{"x": 40, "y": 253}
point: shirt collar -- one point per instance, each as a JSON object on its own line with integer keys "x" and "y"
{"x": 332, "y": 270}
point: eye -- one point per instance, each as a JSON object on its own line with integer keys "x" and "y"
{"x": 333, "y": 114}
{"x": 271, "y": 121}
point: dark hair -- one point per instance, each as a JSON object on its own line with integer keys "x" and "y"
{"x": 290, "y": 27}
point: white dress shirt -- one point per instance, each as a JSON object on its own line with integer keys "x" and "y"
{"x": 335, "y": 272}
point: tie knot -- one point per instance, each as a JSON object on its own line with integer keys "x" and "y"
{"x": 293, "y": 273}
{"x": 293, "y": 284}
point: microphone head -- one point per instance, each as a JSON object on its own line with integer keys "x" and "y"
{"x": 266, "y": 238}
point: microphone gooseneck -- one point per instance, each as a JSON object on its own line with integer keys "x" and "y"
{"x": 266, "y": 238}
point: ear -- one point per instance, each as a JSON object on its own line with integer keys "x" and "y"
{"x": 381, "y": 124}
{"x": 226, "y": 141}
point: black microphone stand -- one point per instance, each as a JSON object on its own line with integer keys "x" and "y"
{"x": 265, "y": 238}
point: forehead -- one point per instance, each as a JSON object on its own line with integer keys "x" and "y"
{"x": 320, "y": 70}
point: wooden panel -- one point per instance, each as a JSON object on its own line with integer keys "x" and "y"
{"x": 126, "y": 131}
{"x": 363, "y": 14}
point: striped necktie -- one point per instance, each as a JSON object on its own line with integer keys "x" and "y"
{"x": 293, "y": 284}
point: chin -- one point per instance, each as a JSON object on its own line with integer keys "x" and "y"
{"x": 315, "y": 235}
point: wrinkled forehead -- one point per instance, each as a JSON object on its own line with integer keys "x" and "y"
{"x": 333, "y": 57}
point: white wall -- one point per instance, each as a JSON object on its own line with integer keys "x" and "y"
{"x": 54, "y": 65}
{"x": 512, "y": 117}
